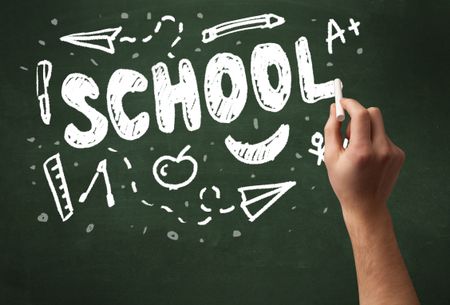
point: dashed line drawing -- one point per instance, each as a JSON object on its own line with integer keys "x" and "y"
{"x": 214, "y": 188}
{"x": 54, "y": 173}
{"x": 43, "y": 75}
{"x": 264, "y": 21}
{"x": 205, "y": 221}
{"x": 147, "y": 38}
{"x": 166, "y": 208}
{"x": 177, "y": 39}
{"x": 261, "y": 152}
{"x": 168, "y": 18}
{"x": 227, "y": 210}
{"x": 158, "y": 26}
{"x": 181, "y": 220}
{"x": 134, "y": 187}
{"x": 204, "y": 208}
{"x": 317, "y": 141}
{"x": 112, "y": 149}
{"x": 101, "y": 169}
{"x": 145, "y": 202}
{"x": 274, "y": 192}
{"x": 162, "y": 163}
{"x": 127, "y": 39}
{"x": 94, "y": 39}
{"x": 127, "y": 162}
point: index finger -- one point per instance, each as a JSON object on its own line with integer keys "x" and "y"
{"x": 360, "y": 118}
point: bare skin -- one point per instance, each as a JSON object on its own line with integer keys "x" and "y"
{"x": 363, "y": 176}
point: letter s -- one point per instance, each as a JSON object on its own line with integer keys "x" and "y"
{"x": 75, "y": 88}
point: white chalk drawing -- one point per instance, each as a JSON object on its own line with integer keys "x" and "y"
{"x": 332, "y": 36}
{"x": 311, "y": 92}
{"x": 227, "y": 210}
{"x": 157, "y": 28}
{"x": 163, "y": 162}
{"x": 168, "y": 95}
{"x": 95, "y": 39}
{"x": 204, "y": 208}
{"x": 112, "y": 149}
{"x": 225, "y": 109}
{"x": 101, "y": 169}
{"x": 181, "y": 220}
{"x": 134, "y": 186}
{"x": 127, "y": 163}
{"x": 204, "y": 189}
{"x": 75, "y": 88}
{"x": 261, "y": 152}
{"x": 339, "y": 33}
{"x": 127, "y": 39}
{"x": 354, "y": 26}
{"x": 145, "y": 202}
{"x": 264, "y": 21}
{"x": 264, "y": 56}
{"x": 54, "y": 173}
{"x": 103, "y": 39}
{"x": 43, "y": 75}
{"x": 205, "y": 221}
{"x": 147, "y": 38}
{"x": 273, "y": 192}
{"x": 166, "y": 208}
{"x": 125, "y": 81}
{"x": 317, "y": 142}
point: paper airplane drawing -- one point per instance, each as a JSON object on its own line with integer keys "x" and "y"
{"x": 100, "y": 40}
{"x": 267, "y": 199}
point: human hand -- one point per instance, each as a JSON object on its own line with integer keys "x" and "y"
{"x": 363, "y": 175}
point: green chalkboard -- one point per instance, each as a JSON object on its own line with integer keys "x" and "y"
{"x": 157, "y": 229}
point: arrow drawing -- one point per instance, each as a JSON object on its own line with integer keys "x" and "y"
{"x": 273, "y": 191}
{"x": 95, "y": 39}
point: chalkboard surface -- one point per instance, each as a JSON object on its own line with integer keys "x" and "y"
{"x": 176, "y": 208}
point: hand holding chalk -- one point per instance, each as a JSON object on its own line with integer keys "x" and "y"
{"x": 363, "y": 175}
{"x": 340, "y": 114}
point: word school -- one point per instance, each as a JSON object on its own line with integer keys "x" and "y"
{"x": 223, "y": 109}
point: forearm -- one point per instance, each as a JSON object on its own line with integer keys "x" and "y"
{"x": 381, "y": 272}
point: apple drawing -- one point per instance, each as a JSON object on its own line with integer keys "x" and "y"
{"x": 164, "y": 162}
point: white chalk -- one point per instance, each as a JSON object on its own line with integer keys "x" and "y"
{"x": 340, "y": 114}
